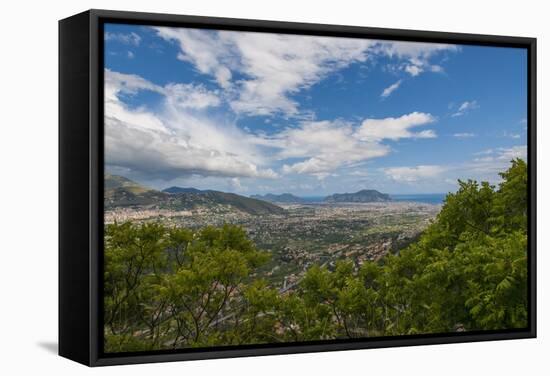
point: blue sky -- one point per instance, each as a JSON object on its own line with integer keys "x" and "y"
{"x": 257, "y": 113}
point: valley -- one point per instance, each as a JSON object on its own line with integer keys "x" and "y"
{"x": 298, "y": 235}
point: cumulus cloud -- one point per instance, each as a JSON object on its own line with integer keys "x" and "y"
{"x": 180, "y": 139}
{"x": 465, "y": 107}
{"x": 413, "y": 174}
{"x": 396, "y": 128}
{"x": 260, "y": 71}
{"x": 326, "y": 146}
{"x": 390, "y": 89}
{"x": 177, "y": 140}
{"x": 125, "y": 38}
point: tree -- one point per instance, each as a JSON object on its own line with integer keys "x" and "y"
{"x": 171, "y": 287}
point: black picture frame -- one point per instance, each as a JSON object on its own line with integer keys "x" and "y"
{"x": 81, "y": 182}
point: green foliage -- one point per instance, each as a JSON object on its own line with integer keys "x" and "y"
{"x": 174, "y": 287}
{"x": 168, "y": 287}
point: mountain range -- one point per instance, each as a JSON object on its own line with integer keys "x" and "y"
{"x": 362, "y": 196}
{"x": 123, "y": 192}
{"x": 287, "y": 198}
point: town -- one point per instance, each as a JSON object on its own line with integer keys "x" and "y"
{"x": 306, "y": 234}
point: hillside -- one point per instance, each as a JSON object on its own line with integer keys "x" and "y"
{"x": 287, "y": 198}
{"x": 365, "y": 195}
{"x": 249, "y": 205}
{"x": 123, "y": 192}
{"x": 112, "y": 182}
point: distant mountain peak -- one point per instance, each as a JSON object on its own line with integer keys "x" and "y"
{"x": 364, "y": 195}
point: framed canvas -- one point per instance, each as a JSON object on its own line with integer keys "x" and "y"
{"x": 235, "y": 187}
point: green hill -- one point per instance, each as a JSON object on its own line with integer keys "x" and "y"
{"x": 246, "y": 204}
{"x": 123, "y": 192}
{"x": 288, "y": 198}
{"x": 112, "y": 182}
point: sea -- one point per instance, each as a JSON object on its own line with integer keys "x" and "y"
{"x": 426, "y": 198}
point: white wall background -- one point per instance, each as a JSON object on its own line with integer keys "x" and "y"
{"x": 28, "y": 189}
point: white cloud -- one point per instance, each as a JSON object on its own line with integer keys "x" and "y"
{"x": 188, "y": 96}
{"x": 464, "y": 135}
{"x": 258, "y": 74}
{"x": 507, "y": 154}
{"x": 428, "y": 133}
{"x": 202, "y": 48}
{"x": 390, "y": 89}
{"x": 130, "y": 55}
{"x": 490, "y": 162}
{"x": 177, "y": 140}
{"x": 236, "y": 185}
{"x": 416, "y": 55}
{"x": 396, "y": 128}
{"x": 413, "y": 174}
{"x": 329, "y": 145}
{"x": 499, "y": 158}
{"x": 130, "y": 38}
{"x": 129, "y": 84}
{"x": 485, "y": 166}
{"x": 116, "y": 82}
{"x": 413, "y": 70}
{"x": 465, "y": 107}
{"x": 326, "y": 146}
{"x": 281, "y": 65}
{"x": 180, "y": 139}
{"x": 185, "y": 96}
{"x": 273, "y": 67}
